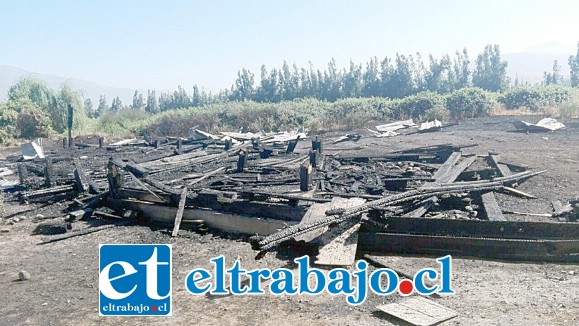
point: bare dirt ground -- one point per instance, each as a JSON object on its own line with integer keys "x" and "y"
{"x": 63, "y": 288}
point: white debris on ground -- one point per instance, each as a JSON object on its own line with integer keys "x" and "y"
{"x": 434, "y": 125}
{"x": 347, "y": 137}
{"x": 544, "y": 125}
{"x": 394, "y": 126}
{"x": 383, "y": 134}
{"x": 132, "y": 141}
{"x": 5, "y": 172}
{"x": 267, "y": 137}
{"x": 32, "y": 150}
{"x": 196, "y": 134}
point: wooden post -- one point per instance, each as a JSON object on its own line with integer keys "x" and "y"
{"x": 291, "y": 146}
{"x": 241, "y": 161}
{"x": 255, "y": 142}
{"x": 314, "y": 158}
{"x": 228, "y": 144}
{"x": 22, "y": 174}
{"x": 101, "y": 142}
{"x": 305, "y": 176}
{"x": 70, "y": 122}
{"x": 114, "y": 177}
{"x": 317, "y": 145}
{"x": 180, "y": 211}
{"x": 48, "y": 173}
{"x": 265, "y": 153}
{"x": 79, "y": 178}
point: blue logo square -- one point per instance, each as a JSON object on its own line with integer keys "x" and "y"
{"x": 135, "y": 279}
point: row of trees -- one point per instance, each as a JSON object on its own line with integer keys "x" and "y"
{"x": 396, "y": 77}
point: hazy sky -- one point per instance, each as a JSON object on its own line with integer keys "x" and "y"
{"x": 161, "y": 44}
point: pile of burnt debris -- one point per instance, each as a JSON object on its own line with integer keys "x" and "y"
{"x": 280, "y": 188}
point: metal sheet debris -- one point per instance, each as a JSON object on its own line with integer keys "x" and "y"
{"x": 544, "y": 125}
{"x": 32, "y": 150}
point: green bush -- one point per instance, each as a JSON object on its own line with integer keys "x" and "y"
{"x": 470, "y": 102}
{"x": 416, "y": 106}
{"x": 122, "y": 123}
{"x": 535, "y": 98}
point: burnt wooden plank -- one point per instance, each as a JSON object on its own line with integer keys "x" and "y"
{"x": 318, "y": 210}
{"x": 339, "y": 245}
{"x": 503, "y": 168}
{"x": 418, "y": 311}
{"x": 494, "y": 212}
{"x": 180, "y": 210}
{"x": 536, "y": 250}
{"x": 228, "y": 222}
{"x": 478, "y": 228}
{"x": 447, "y": 165}
{"x": 456, "y": 170}
{"x": 305, "y": 176}
{"x": 447, "y": 173}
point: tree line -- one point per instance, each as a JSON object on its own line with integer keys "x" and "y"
{"x": 391, "y": 77}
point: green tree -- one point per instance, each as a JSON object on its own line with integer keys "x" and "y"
{"x": 554, "y": 77}
{"x": 152, "y": 106}
{"x": 371, "y": 78}
{"x": 89, "y": 109}
{"x": 116, "y": 105}
{"x": 138, "y": 101}
{"x": 352, "y": 84}
{"x": 574, "y": 68}
{"x": 196, "y": 98}
{"x": 59, "y": 115}
{"x": 461, "y": 67}
{"x": 35, "y": 90}
{"x": 490, "y": 72}
{"x": 402, "y": 82}
{"x": 244, "y": 85}
{"x": 103, "y": 107}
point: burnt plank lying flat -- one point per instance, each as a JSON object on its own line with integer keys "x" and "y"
{"x": 478, "y": 228}
{"x": 318, "y": 210}
{"x": 456, "y": 170}
{"x": 447, "y": 173}
{"x": 494, "y": 212}
{"x": 227, "y": 222}
{"x": 447, "y": 166}
{"x": 242, "y": 207}
{"x": 339, "y": 244}
{"x": 537, "y": 250}
{"x": 418, "y": 311}
{"x": 503, "y": 168}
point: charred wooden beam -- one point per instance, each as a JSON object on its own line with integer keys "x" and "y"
{"x": 114, "y": 177}
{"x": 535, "y": 250}
{"x": 48, "y": 173}
{"x": 180, "y": 211}
{"x": 305, "y": 176}
{"x": 412, "y": 195}
{"x": 242, "y": 160}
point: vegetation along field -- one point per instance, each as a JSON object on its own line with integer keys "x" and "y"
{"x": 330, "y": 99}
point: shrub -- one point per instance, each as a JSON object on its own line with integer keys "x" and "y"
{"x": 535, "y": 98}
{"x": 470, "y": 102}
{"x": 416, "y": 106}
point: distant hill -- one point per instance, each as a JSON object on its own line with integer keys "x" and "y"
{"x": 529, "y": 67}
{"x": 10, "y": 75}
